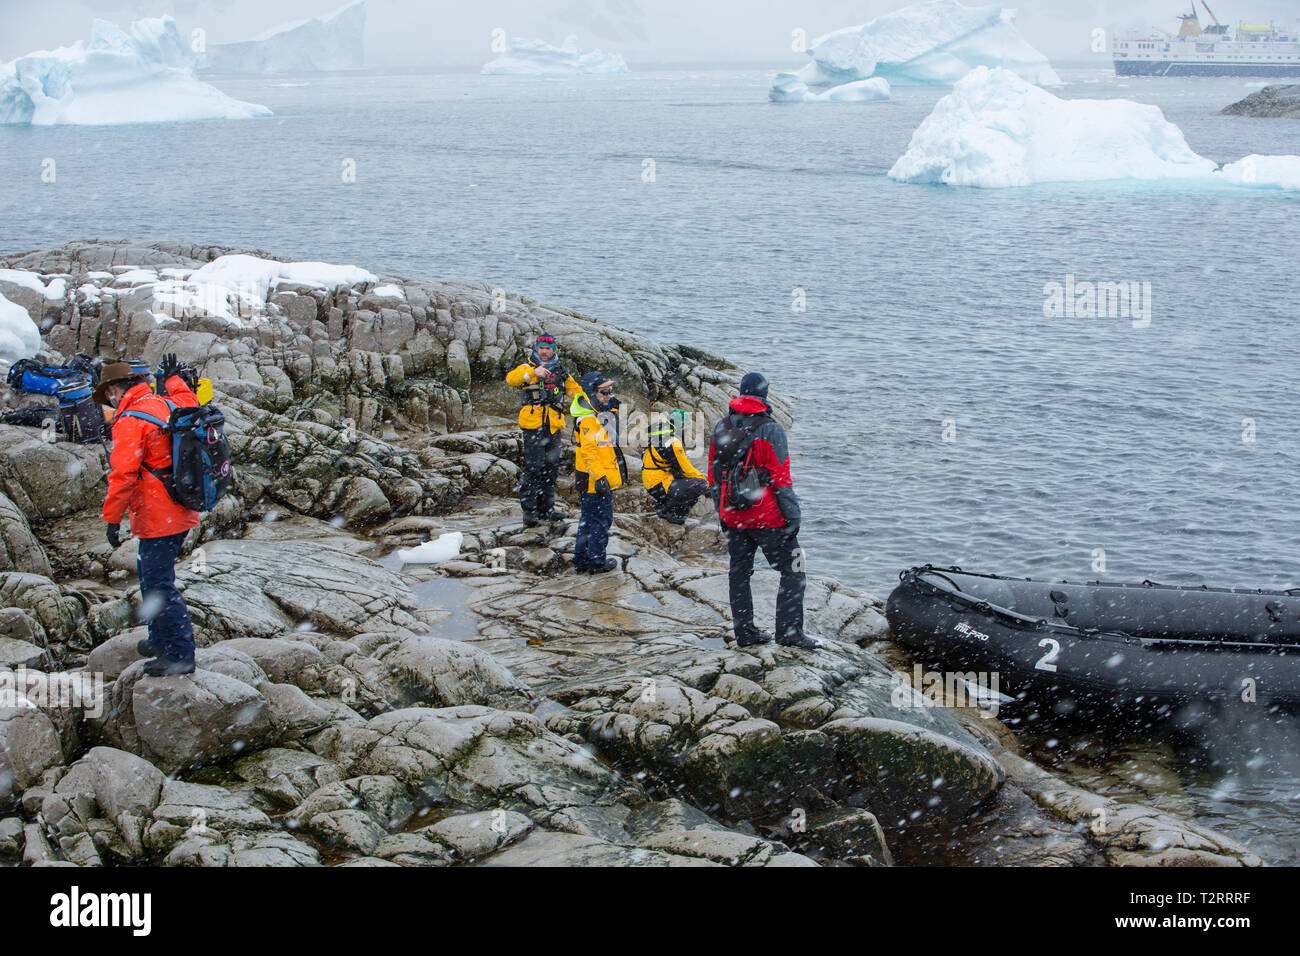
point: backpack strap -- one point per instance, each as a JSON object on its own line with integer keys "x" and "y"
{"x": 162, "y": 474}
{"x": 143, "y": 416}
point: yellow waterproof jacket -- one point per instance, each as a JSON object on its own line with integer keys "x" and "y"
{"x": 657, "y": 465}
{"x": 595, "y": 455}
{"x": 532, "y": 416}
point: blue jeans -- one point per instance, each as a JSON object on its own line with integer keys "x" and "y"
{"x": 162, "y": 607}
{"x": 593, "y": 530}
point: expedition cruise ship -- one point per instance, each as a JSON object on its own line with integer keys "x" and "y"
{"x": 1217, "y": 50}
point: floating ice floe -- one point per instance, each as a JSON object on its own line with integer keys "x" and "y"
{"x": 145, "y": 75}
{"x": 332, "y": 42}
{"x": 19, "y": 336}
{"x": 445, "y": 548}
{"x": 793, "y": 90}
{"x": 537, "y": 58}
{"x": 996, "y": 130}
{"x": 925, "y": 44}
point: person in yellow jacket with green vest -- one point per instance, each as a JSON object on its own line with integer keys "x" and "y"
{"x": 600, "y": 468}
{"x": 547, "y": 388}
{"x": 673, "y": 482}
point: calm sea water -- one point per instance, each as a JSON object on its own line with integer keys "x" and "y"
{"x": 1072, "y": 441}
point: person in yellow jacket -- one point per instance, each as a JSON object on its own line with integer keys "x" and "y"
{"x": 547, "y": 387}
{"x": 673, "y": 482}
{"x": 600, "y": 469}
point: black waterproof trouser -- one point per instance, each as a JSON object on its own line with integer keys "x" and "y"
{"x": 783, "y": 553}
{"x": 541, "y": 466}
{"x": 676, "y": 503}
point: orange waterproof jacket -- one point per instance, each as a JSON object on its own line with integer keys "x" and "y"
{"x": 136, "y": 443}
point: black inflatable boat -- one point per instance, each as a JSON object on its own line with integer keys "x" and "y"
{"x": 1104, "y": 644}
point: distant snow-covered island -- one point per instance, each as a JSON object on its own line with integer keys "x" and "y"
{"x": 997, "y": 130}
{"x": 925, "y": 44}
{"x": 144, "y": 75}
{"x": 335, "y": 41}
{"x": 538, "y": 58}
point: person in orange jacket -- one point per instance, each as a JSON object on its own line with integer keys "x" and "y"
{"x": 140, "y": 458}
{"x": 547, "y": 387}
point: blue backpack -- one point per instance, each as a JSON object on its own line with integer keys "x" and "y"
{"x": 200, "y": 473}
{"x": 37, "y": 378}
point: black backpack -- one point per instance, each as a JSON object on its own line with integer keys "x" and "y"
{"x": 742, "y": 483}
{"x": 200, "y": 473}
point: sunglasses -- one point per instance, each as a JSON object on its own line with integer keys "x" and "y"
{"x": 604, "y": 391}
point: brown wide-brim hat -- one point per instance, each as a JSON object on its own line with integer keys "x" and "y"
{"x": 112, "y": 375}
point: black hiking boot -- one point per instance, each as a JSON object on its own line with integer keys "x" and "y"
{"x": 531, "y": 520}
{"x": 162, "y": 667}
{"x": 801, "y": 640}
{"x": 611, "y": 564}
{"x": 753, "y": 640}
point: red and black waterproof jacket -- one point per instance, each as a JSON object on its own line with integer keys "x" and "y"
{"x": 779, "y": 506}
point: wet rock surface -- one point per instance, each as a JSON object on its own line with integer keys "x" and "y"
{"x": 494, "y": 709}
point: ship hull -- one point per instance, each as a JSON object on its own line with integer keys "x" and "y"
{"x": 1176, "y": 68}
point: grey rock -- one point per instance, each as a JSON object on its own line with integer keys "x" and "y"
{"x": 570, "y": 849}
{"x": 29, "y": 746}
{"x": 49, "y": 479}
{"x": 184, "y": 721}
{"x": 19, "y": 548}
{"x": 286, "y": 777}
{"x": 471, "y": 835}
{"x": 446, "y": 673}
{"x": 262, "y": 589}
{"x": 1271, "y": 101}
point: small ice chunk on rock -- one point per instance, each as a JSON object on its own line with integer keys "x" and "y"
{"x": 445, "y": 548}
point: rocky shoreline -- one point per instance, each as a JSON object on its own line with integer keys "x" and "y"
{"x": 492, "y": 709}
{"x": 1270, "y": 102}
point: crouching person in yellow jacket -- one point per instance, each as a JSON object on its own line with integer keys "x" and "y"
{"x": 547, "y": 387}
{"x": 673, "y": 482}
{"x": 601, "y": 469}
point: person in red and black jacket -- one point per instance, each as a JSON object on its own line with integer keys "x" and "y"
{"x": 771, "y": 522}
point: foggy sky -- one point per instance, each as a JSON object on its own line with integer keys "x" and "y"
{"x": 438, "y": 35}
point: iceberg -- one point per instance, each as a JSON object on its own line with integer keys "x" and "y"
{"x": 997, "y": 130}
{"x": 332, "y": 42}
{"x": 1278, "y": 172}
{"x": 537, "y": 58}
{"x": 926, "y": 44}
{"x": 142, "y": 76}
{"x": 792, "y": 90}
{"x": 19, "y": 336}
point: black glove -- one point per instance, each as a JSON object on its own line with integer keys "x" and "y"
{"x": 170, "y": 366}
{"x": 791, "y": 530}
{"x": 602, "y": 486}
{"x": 114, "y": 535}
